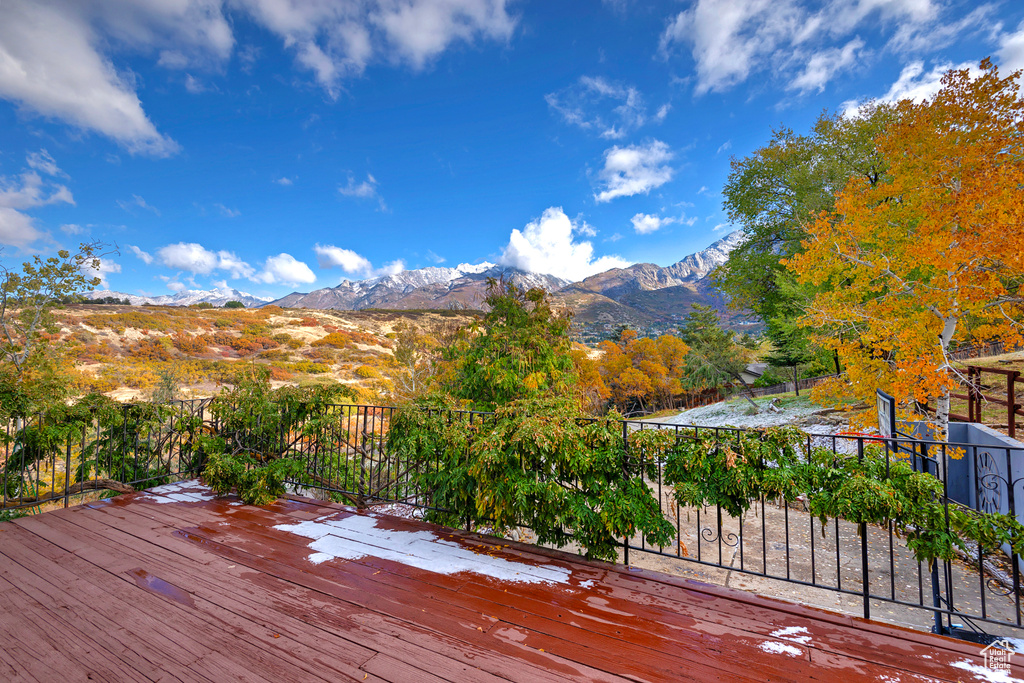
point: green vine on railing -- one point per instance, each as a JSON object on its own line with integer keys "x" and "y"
{"x": 871, "y": 487}
{"x": 532, "y": 463}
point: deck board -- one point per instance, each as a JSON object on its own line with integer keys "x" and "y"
{"x": 146, "y": 588}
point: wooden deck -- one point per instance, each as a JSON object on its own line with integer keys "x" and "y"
{"x": 174, "y": 585}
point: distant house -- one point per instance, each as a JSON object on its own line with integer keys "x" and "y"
{"x": 753, "y": 372}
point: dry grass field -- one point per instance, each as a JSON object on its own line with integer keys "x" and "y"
{"x": 128, "y": 352}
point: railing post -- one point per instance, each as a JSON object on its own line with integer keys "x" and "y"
{"x": 67, "y": 473}
{"x": 866, "y": 592}
{"x": 625, "y": 462}
{"x": 1011, "y": 404}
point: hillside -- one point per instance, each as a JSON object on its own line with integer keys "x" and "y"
{"x": 650, "y": 298}
{"x": 645, "y": 296}
{"x": 443, "y": 288}
{"x": 129, "y": 351}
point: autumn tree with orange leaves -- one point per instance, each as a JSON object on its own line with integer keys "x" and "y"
{"x": 931, "y": 257}
{"x": 640, "y": 373}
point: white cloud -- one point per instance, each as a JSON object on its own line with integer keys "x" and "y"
{"x": 610, "y": 109}
{"x": 636, "y": 169}
{"x": 434, "y": 258}
{"x": 645, "y": 224}
{"x": 285, "y": 181}
{"x": 226, "y": 212}
{"x": 176, "y": 286}
{"x": 806, "y": 45}
{"x": 419, "y": 30}
{"x": 823, "y": 65}
{"x": 722, "y": 226}
{"x": 197, "y": 259}
{"x": 44, "y": 163}
{"x": 337, "y": 40}
{"x": 53, "y": 66}
{"x": 391, "y": 268}
{"x": 194, "y": 85}
{"x": 729, "y": 38}
{"x": 330, "y": 256}
{"x": 73, "y": 229}
{"x": 103, "y": 268}
{"x": 930, "y": 35}
{"x": 28, "y": 191}
{"x": 914, "y": 83}
{"x": 724, "y": 147}
{"x": 135, "y": 202}
{"x": 285, "y": 269}
{"x": 1011, "y": 50}
{"x": 143, "y": 256}
{"x": 234, "y": 266}
{"x": 188, "y": 256}
{"x": 56, "y": 55}
{"x": 367, "y": 189}
{"x": 547, "y": 245}
{"x": 17, "y": 229}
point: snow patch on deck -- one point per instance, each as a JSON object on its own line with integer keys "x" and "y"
{"x": 190, "y": 491}
{"x": 797, "y": 634}
{"x": 775, "y": 648}
{"x": 357, "y": 536}
{"x": 983, "y": 673}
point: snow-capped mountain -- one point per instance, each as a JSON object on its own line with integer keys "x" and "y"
{"x": 465, "y": 285}
{"x": 461, "y": 287}
{"x": 217, "y": 297}
{"x": 700, "y": 264}
{"x": 687, "y": 272}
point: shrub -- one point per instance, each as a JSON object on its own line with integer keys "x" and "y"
{"x": 280, "y": 374}
{"x": 234, "y": 304}
{"x": 367, "y": 372}
{"x": 338, "y": 340}
{"x": 151, "y": 349}
{"x": 189, "y": 344}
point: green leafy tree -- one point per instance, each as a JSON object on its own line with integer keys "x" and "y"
{"x": 534, "y": 461}
{"x": 790, "y": 347}
{"x": 413, "y": 353}
{"x": 234, "y": 304}
{"x": 776, "y": 193}
{"x": 715, "y": 358}
{"x": 522, "y": 349}
{"x": 31, "y": 372}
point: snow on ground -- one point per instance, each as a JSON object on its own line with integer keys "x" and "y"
{"x": 799, "y": 412}
{"x": 352, "y": 537}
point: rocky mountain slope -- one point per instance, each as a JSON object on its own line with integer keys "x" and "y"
{"x": 644, "y": 296}
{"x": 217, "y": 297}
{"x": 463, "y": 287}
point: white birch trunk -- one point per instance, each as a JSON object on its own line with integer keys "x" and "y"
{"x": 942, "y": 404}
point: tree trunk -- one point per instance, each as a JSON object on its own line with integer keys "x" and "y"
{"x": 942, "y": 405}
{"x": 796, "y": 382}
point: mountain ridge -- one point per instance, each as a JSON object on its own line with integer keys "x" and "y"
{"x": 641, "y": 295}
{"x": 217, "y": 297}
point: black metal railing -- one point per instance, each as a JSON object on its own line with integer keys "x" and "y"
{"x": 346, "y": 457}
{"x": 51, "y": 459}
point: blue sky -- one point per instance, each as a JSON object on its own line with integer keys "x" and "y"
{"x": 275, "y": 145}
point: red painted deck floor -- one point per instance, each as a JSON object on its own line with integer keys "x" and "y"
{"x": 174, "y": 585}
